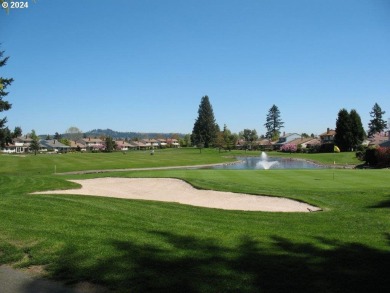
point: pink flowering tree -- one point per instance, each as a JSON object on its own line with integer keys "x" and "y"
{"x": 99, "y": 147}
{"x": 289, "y": 148}
{"x": 383, "y": 157}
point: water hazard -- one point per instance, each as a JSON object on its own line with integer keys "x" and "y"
{"x": 264, "y": 162}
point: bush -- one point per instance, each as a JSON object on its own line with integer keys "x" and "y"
{"x": 378, "y": 157}
{"x": 314, "y": 149}
{"x": 361, "y": 152}
{"x": 289, "y": 148}
{"x": 361, "y": 148}
{"x": 370, "y": 157}
{"x": 383, "y": 157}
{"x": 327, "y": 148}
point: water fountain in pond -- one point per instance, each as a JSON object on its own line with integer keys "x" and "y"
{"x": 264, "y": 163}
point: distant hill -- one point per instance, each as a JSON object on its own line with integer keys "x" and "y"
{"x": 120, "y": 135}
{"x": 130, "y": 135}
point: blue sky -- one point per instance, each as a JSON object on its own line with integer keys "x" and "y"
{"x": 144, "y": 65}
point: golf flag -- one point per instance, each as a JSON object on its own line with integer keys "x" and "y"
{"x": 336, "y": 149}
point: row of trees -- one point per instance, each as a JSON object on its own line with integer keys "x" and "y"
{"x": 349, "y": 129}
{"x": 206, "y": 131}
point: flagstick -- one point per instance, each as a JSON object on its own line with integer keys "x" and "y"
{"x": 334, "y": 160}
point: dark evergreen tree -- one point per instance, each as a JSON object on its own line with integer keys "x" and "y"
{"x": 5, "y": 136}
{"x": 4, "y": 105}
{"x": 110, "y": 144}
{"x": 273, "y": 123}
{"x": 357, "y": 131}
{"x": 377, "y": 124}
{"x": 205, "y": 129}
{"x": 343, "y": 138}
{"x": 57, "y": 136}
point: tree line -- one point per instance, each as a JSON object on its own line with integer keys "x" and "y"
{"x": 206, "y": 132}
{"x": 349, "y": 129}
{"x": 350, "y": 133}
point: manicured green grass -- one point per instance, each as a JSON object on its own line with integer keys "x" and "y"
{"x": 48, "y": 164}
{"x": 344, "y": 158}
{"x": 45, "y": 164}
{"x": 142, "y": 246}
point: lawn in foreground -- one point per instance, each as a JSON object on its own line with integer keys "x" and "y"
{"x": 131, "y": 245}
{"x": 146, "y": 246}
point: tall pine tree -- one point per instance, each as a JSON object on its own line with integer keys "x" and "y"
{"x": 205, "y": 129}
{"x": 4, "y": 105}
{"x": 273, "y": 123}
{"x": 349, "y": 130}
{"x": 377, "y": 124}
{"x": 357, "y": 131}
{"x": 343, "y": 135}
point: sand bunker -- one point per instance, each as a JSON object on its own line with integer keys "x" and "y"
{"x": 175, "y": 190}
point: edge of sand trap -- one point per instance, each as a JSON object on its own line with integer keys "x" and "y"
{"x": 179, "y": 191}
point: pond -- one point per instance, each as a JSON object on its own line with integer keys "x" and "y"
{"x": 263, "y": 162}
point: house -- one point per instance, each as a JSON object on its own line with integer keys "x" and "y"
{"x": 173, "y": 142}
{"x": 93, "y": 143}
{"x": 20, "y": 145}
{"x": 52, "y": 145}
{"x": 240, "y": 144}
{"x": 154, "y": 143}
{"x": 285, "y": 139}
{"x": 146, "y": 142}
{"x": 78, "y": 145}
{"x": 123, "y": 145}
{"x": 151, "y": 143}
{"x": 311, "y": 143}
{"x": 264, "y": 144}
{"x": 385, "y": 144}
{"x": 11, "y": 149}
{"x": 328, "y": 136}
{"x": 307, "y": 142}
{"x": 162, "y": 142}
{"x": 379, "y": 138}
{"x": 139, "y": 145}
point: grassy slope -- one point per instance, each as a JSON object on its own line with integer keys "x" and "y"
{"x": 147, "y": 246}
{"x": 345, "y": 158}
{"x": 47, "y": 164}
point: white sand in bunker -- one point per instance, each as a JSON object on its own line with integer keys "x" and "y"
{"x": 178, "y": 191}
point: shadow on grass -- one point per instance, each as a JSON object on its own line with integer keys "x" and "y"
{"x": 189, "y": 264}
{"x": 382, "y": 204}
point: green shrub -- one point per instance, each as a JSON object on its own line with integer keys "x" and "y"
{"x": 327, "y": 148}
